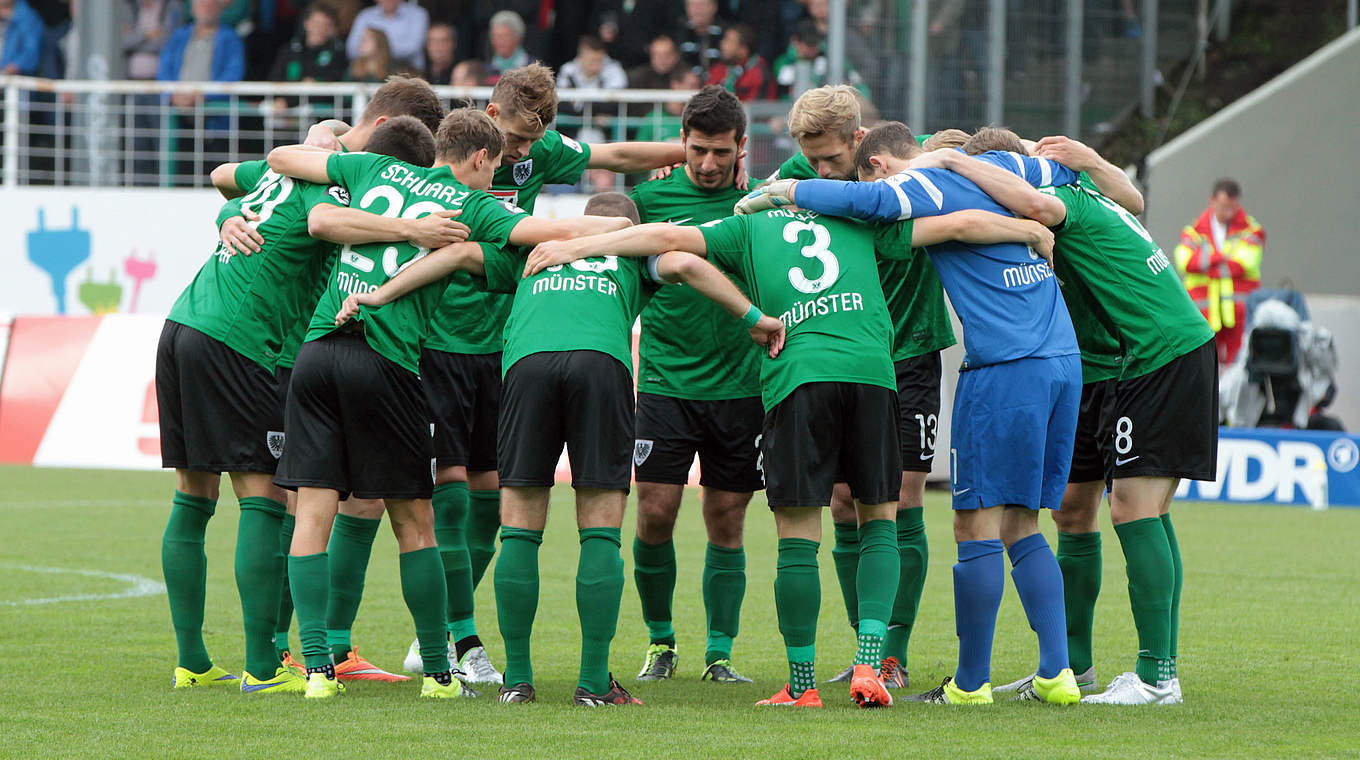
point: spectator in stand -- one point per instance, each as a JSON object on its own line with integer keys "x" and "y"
{"x": 374, "y": 62}
{"x": 205, "y": 50}
{"x": 663, "y": 60}
{"x": 21, "y": 34}
{"x": 804, "y": 64}
{"x": 56, "y": 19}
{"x": 402, "y": 21}
{"x": 592, "y": 68}
{"x": 470, "y": 72}
{"x": 441, "y": 44}
{"x": 628, "y": 27}
{"x": 1219, "y": 258}
{"x": 315, "y": 55}
{"x": 147, "y": 24}
{"x": 742, "y": 70}
{"x": 701, "y": 35}
{"x": 507, "y": 48}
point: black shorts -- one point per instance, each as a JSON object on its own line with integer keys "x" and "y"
{"x": 825, "y": 433}
{"x": 283, "y": 376}
{"x": 218, "y": 410}
{"x": 583, "y": 399}
{"x": 725, "y": 434}
{"x": 918, "y": 403}
{"x": 1092, "y": 456}
{"x": 464, "y": 393}
{"x": 1166, "y": 422}
{"x": 357, "y": 423}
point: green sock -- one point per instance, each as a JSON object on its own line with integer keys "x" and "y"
{"x": 450, "y": 504}
{"x": 1152, "y": 578}
{"x": 880, "y": 566}
{"x": 185, "y": 567}
{"x": 259, "y": 580}
{"x": 310, "y": 578}
{"x": 349, "y": 548}
{"x": 915, "y": 558}
{"x": 654, "y": 574}
{"x": 1176, "y": 589}
{"x": 422, "y": 586}
{"x": 599, "y": 591}
{"x": 516, "y": 581}
{"x": 845, "y": 553}
{"x": 1079, "y": 559}
{"x": 797, "y": 600}
{"x": 724, "y": 586}
{"x": 285, "y": 616}
{"x": 483, "y": 520}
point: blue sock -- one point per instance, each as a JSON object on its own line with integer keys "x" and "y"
{"x": 979, "y": 580}
{"x": 1038, "y": 580}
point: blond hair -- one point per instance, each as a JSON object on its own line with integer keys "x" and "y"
{"x": 945, "y": 138}
{"x": 529, "y": 93}
{"x": 830, "y": 110}
{"x": 994, "y": 138}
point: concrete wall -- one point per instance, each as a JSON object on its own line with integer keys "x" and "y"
{"x": 1294, "y": 145}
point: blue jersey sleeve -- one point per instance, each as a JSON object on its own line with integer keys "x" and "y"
{"x": 1039, "y": 172}
{"x": 911, "y": 194}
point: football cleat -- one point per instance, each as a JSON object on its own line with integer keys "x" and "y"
{"x": 356, "y": 668}
{"x": 1175, "y": 685}
{"x": 867, "y": 689}
{"x": 520, "y": 692}
{"x": 294, "y": 665}
{"x": 1086, "y": 682}
{"x": 184, "y": 678}
{"x": 783, "y": 698}
{"x": 949, "y": 694}
{"x": 414, "y": 663}
{"x": 892, "y": 674}
{"x": 1061, "y": 689}
{"x": 844, "y": 676}
{"x": 721, "y": 671}
{"x": 660, "y": 663}
{"x": 1129, "y": 689}
{"x": 477, "y": 667}
{"x": 321, "y": 687}
{"x": 616, "y": 695}
{"x": 431, "y": 688}
{"x": 285, "y": 681}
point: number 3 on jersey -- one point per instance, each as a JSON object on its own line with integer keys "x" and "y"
{"x": 820, "y": 249}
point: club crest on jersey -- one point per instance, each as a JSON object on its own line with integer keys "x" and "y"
{"x": 274, "y": 440}
{"x": 641, "y": 450}
{"x": 522, "y": 171}
{"x": 339, "y": 193}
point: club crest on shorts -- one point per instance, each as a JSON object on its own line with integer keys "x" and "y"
{"x": 522, "y": 171}
{"x": 274, "y": 440}
{"x": 641, "y": 450}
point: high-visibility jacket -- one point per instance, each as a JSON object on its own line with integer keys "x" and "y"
{"x": 1219, "y": 279}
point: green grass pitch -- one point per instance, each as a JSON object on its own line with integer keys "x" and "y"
{"x": 1268, "y": 652}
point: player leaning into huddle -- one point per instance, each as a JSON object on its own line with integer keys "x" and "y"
{"x": 698, "y": 392}
{"x": 1157, "y": 423}
{"x": 219, "y": 400}
{"x": 1011, "y": 451}
{"x": 461, "y": 360}
{"x": 355, "y": 404}
{"x": 567, "y": 365}
{"x": 825, "y": 122}
{"x": 830, "y": 398}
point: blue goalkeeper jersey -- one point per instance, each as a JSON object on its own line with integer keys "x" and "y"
{"x": 1005, "y": 295}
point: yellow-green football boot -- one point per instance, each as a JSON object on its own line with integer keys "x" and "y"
{"x": 435, "y": 690}
{"x": 949, "y": 694}
{"x": 321, "y": 687}
{"x": 214, "y": 676}
{"x": 285, "y": 681}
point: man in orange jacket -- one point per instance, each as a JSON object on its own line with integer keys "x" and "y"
{"x": 1219, "y": 259}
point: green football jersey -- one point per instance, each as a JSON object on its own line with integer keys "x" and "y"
{"x": 690, "y": 348}
{"x": 384, "y": 185}
{"x": 915, "y": 296}
{"x": 819, "y": 276}
{"x": 1135, "y": 291}
{"x": 1101, "y": 356}
{"x": 470, "y": 320}
{"x": 250, "y": 303}
{"x": 587, "y": 305}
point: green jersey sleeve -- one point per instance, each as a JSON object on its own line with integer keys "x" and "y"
{"x": 248, "y": 173}
{"x": 728, "y": 242}
{"x": 489, "y": 220}
{"x": 893, "y": 240}
{"x": 346, "y": 169}
{"x": 503, "y": 268}
{"x": 567, "y": 159}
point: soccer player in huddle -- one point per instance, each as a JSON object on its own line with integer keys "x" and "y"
{"x": 567, "y": 366}
{"x": 829, "y": 398}
{"x": 1149, "y": 418}
{"x": 355, "y": 402}
{"x": 1011, "y": 453}
{"x": 219, "y": 399}
{"x": 698, "y": 393}
{"x": 826, "y": 124}
{"x": 461, "y": 360}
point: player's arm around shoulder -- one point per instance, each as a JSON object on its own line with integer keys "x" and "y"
{"x": 223, "y": 178}
{"x": 982, "y": 228}
{"x": 680, "y": 266}
{"x": 464, "y": 256}
{"x": 352, "y": 226}
{"x": 641, "y": 240}
{"x": 1112, "y": 182}
{"x": 301, "y": 162}
{"x": 633, "y": 157}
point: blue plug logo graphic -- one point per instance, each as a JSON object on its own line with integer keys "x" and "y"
{"x": 59, "y": 252}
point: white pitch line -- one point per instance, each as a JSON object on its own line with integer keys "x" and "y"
{"x": 138, "y": 586}
{"x": 84, "y": 503}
